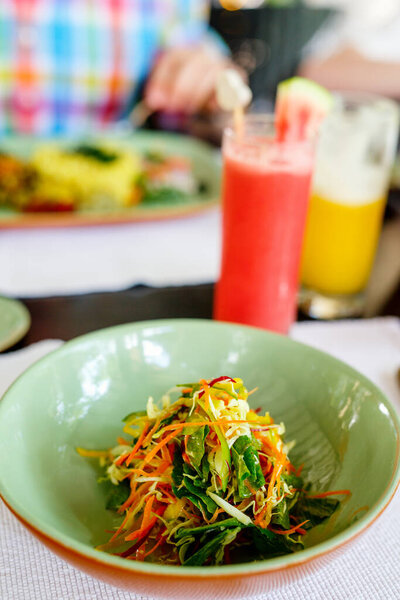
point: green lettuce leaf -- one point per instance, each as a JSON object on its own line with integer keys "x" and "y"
{"x": 214, "y": 527}
{"x": 316, "y": 510}
{"x": 168, "y": 420}
{"x": 269, "y": 544}
{"x": 186, "y": 484}
{"x": 280, "y": 514}
{"x": 247, "y": 466}
{"x": 117, "y": 494}
{"x": 213, "y": 548}
{"x": 195, "y": 447}
{"x": 293, "y": 481}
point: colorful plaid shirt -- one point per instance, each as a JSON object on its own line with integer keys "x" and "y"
{"x": 71, "y": 65}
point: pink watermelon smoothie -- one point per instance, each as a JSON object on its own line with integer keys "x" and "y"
{"x": 266, "y": 188}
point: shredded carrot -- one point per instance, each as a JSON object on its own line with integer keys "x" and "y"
{"x": 165, "y": 454}
{"x": 299, "y": 470}
{"x": 206, "y": 390}
{"x": 122, "y": 458}
{"x": 118, "y": 538}
{"x": 215, "y": 515}
{"x": 331, "y": 493}
{"x": 152, "y": 431}
{"x": 252, "y": 391}
{"x": 278, "y": 483}
{"x": 138, "y": 495}
{"x": 138, "y": 444}
{"x": 161, "y": 468}
{"x": 158, "y": 447}
{"x": 188, "y": 515}
{"x": 186, "y": 458}
{"x": 140, "y": 455}
{"x": 168, "y": 496}
{"x": 271, "y": 448}
{"x": 217, "y": 422}
{"x": 139, "y": 533}
{"x": 121, "y": 527}
{"x": 250, "y": 487}
{"x": 164, "y": 500}
{"x": 301, "y": 531}
{"x": 160, "y": 541}
{"x": 274, "y": 475}
{"x": 141, "y": 472}
{"x": 147, "y": 511}
{"x": 130, "y": 499}
{"x": 268, "y": 448}
{"x": 124, "y": 522}
{"x": 267, "y": 470}
{"x": 140, "y": 550}
{"x": 288, "y": 531}
{"x": 226, "y": 398}
{"x": 123, "y": 442}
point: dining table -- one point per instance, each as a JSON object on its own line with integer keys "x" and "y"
{"x": 62, "y": 307}
{"x": 66, "y": 316}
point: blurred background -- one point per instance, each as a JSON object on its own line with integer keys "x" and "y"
{"x": 343, "y": 44}
{"x": 267, "y": 39}
{"x": 351, "y": 45}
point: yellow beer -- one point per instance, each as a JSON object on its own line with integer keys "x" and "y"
{"x": 340, "y": 244}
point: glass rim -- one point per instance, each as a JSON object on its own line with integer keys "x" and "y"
{"x": 261, "y": 137}
{"x": 266, "y": 118}
{"x": 385, "y": 109}
{"x": 362, "y": 96}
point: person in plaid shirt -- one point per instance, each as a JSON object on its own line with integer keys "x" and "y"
{"x": 74, "y": 65}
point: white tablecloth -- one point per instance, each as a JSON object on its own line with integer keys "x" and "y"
{"x": 46, "y": 262}
{"x": 368, "y": 570}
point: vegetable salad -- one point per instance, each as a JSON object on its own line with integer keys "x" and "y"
{"x": 206, "y": 480}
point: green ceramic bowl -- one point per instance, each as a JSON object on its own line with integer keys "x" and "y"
{"x": 346, "y": 430}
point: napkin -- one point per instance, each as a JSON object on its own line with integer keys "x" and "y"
{"x": 367, "y": 570}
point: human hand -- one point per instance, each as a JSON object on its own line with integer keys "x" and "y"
{"x": 183, "y": 80}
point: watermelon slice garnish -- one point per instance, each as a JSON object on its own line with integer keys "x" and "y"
{"x": 301, "y": 105}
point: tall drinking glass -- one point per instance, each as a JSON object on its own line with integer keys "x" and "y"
{"x": 266, "y": 185}
{"x": 353, "y": 165}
